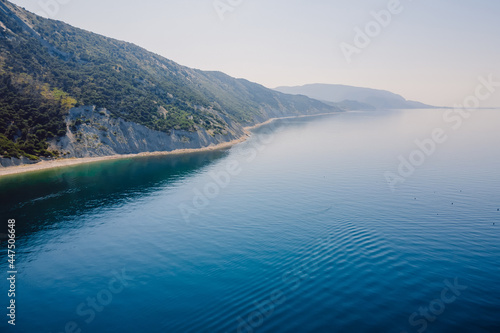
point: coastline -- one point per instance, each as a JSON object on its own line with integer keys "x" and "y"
{"x": 65, "y": 162}
{"x": 62, "y": 162}
{"x": 249, "y": 128}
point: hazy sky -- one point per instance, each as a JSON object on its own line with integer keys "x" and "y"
{"x": 432, "y": 51}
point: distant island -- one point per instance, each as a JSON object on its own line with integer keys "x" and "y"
{"x": 354, "y": 98}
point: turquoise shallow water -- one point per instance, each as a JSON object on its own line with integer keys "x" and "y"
{"x": 295, "y": 230}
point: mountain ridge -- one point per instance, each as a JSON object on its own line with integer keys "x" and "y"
{"x": 345, "y": 95}
{"x": 48, "y": 67}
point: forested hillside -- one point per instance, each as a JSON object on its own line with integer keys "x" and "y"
{"x": 48, "y": 67}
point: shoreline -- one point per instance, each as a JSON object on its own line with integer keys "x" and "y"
{"x": 249, "y": 128}
{"x": 65, "y": 162}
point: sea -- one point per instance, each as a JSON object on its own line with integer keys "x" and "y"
{"x": 362, "y": 221}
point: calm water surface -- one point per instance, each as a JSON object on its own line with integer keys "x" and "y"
{"x": 295, "y": 230}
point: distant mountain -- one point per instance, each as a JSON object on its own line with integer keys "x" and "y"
{"x": 354, "y": 97}
{"x": 352, "y": 105}
{"x": 48, "y": 68}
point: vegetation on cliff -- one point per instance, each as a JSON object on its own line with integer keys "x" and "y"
{"x": 47, "y": 67}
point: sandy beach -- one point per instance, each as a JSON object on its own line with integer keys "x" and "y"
{"x": 64, "y": 162}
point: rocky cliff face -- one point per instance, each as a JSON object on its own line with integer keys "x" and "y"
{"x": 146, "y": 103}
{"x": 92, "y": 132}
{"x": 9, "y": 162}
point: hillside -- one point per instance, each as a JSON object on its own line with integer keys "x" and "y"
{"x": 354, "y": 97}
{"x": 48, "y": 67}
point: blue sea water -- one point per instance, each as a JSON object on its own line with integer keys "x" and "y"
{"x": 354, "y": 222}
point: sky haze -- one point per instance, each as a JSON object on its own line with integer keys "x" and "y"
{"x": 430, "y": 51}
